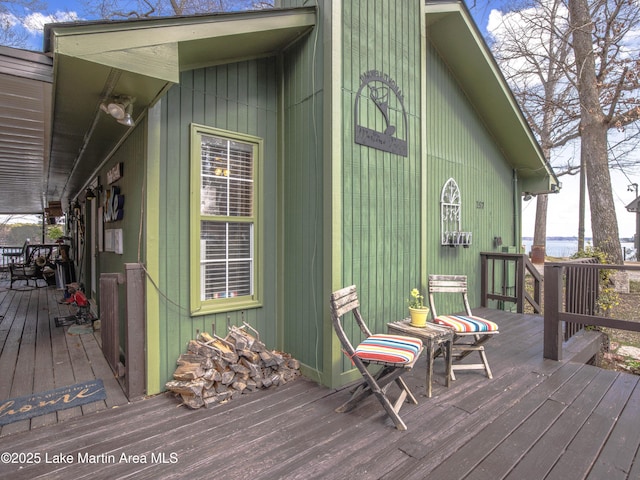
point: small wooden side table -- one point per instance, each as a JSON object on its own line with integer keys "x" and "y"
{"x": 436, "y": 338}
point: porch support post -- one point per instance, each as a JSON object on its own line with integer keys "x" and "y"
{"x": 520, "y": 285}
{"x": 552, "y": 302}
{"x": 484, "y": 280}
{"x": 135, "y": 331}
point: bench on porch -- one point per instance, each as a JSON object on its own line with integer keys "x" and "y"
{"x": 33, "y": 267}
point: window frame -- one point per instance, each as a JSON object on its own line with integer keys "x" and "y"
{"x": 198, "y": 305}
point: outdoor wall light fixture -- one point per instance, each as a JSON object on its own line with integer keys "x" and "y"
{"x": 91, "y": 193}
{"x": 120, "y": 108}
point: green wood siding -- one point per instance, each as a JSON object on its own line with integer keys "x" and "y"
{"x": 458, "y": 146}
{"x": 131, "y": 154}
{"x": 380, "y": 212}
{"x": 381, "y": 191}
{"x": 240, "y": 97}
{"x": 301, "y": 189}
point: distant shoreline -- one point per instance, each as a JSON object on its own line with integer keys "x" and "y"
{"x": 575, "y": 239}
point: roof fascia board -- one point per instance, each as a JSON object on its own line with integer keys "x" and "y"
{"x": 94, "y": 38}
{"x": 140, "y": 47}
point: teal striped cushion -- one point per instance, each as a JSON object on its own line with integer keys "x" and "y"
{"x": 389, "y": 348}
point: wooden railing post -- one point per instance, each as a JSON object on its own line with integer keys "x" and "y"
{"x": 520, "y": 287}
{"x": 135, "y": 331}
{"x": 484, "y": 301}
{"x": 552, "y": 303}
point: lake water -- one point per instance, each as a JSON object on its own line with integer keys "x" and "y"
{"x": 567, "y": 247}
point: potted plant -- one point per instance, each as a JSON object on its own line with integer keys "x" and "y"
{"x": 417, "y": 309}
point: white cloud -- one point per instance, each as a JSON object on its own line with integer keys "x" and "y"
{"x": 35, "y": 22}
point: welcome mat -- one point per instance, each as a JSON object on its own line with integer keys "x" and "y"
{"x": 29, "y": 406}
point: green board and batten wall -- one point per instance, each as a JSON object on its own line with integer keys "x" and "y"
{"x": 381, "y": 210}
{"x": 361, "y": 111}
{"x": 458, "y": 146}
{"x": 380, "y": 248}
{"x": 351, "y": 213}
{"x": 239, "y": 97}
{"x": 335, "y": 212}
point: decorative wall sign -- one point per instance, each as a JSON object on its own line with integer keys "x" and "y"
{"x": 108, "y": 240}
{"x": 380, "y": 119}
{"x": 114, "y": 173}
{"x": 113, "y": 205}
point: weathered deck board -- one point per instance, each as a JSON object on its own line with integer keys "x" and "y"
{"x": 43, "y": 372}
{"x": 619, "y": 452}
{"x": 36, "y": 356}
{"x": 535, "y": 419}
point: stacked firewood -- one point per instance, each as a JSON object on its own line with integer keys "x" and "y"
{"x": 215, "y": 370}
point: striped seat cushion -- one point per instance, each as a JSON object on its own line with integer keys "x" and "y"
{"x": 466, "y": 324}
{"x": 389, "y": 348}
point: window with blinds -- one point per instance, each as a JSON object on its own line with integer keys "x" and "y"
{"x": 227, "y": 218}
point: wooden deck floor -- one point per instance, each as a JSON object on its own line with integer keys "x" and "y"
{"x": 36, "y": 356}
{"x": 536, "y": 419}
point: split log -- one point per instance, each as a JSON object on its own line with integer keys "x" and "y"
{"x": 192, "y": 401}
{"x": 227, "y": 377}
{"x": 187, "y": 388}
{"x": 253, "y": 367}
{"x": 226, "y": 351}
{"x": 189, "y": 367}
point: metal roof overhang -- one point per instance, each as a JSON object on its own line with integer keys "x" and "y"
{"x": 25, "y": 107}
{"x": 140, "y": 58}
{"x": 454, "y": 34}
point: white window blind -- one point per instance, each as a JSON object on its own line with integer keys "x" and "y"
{"x": 227, "y": 218}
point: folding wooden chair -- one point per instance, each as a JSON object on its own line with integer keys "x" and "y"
{"x": 394, "y": 354}
{"x": 470, "y": 332}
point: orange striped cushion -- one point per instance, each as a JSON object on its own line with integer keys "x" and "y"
{"x": 466, "y": 324}
{"x": 389, "y": 348}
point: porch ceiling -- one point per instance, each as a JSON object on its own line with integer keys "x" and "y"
{"x": 25, "y": 107}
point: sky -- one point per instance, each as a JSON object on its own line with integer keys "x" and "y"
{"x": 563, "y": 206}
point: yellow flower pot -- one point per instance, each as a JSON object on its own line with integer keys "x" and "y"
{"x": 419, "y": 316}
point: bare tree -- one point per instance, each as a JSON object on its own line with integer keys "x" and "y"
{"x": 115, "y": 9}
{"x": 536, "y": 52}
{"x": 533, "y": 51}
{"x": 12, "y": 14}
{"x": 606, "y": 90}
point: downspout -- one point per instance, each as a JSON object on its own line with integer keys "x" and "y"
{"x": 517, "y": 224}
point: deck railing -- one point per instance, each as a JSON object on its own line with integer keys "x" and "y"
{"x": 503, "y": 279}
{"x": 571, "y": 291}
{"x": 9, "y": 254}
